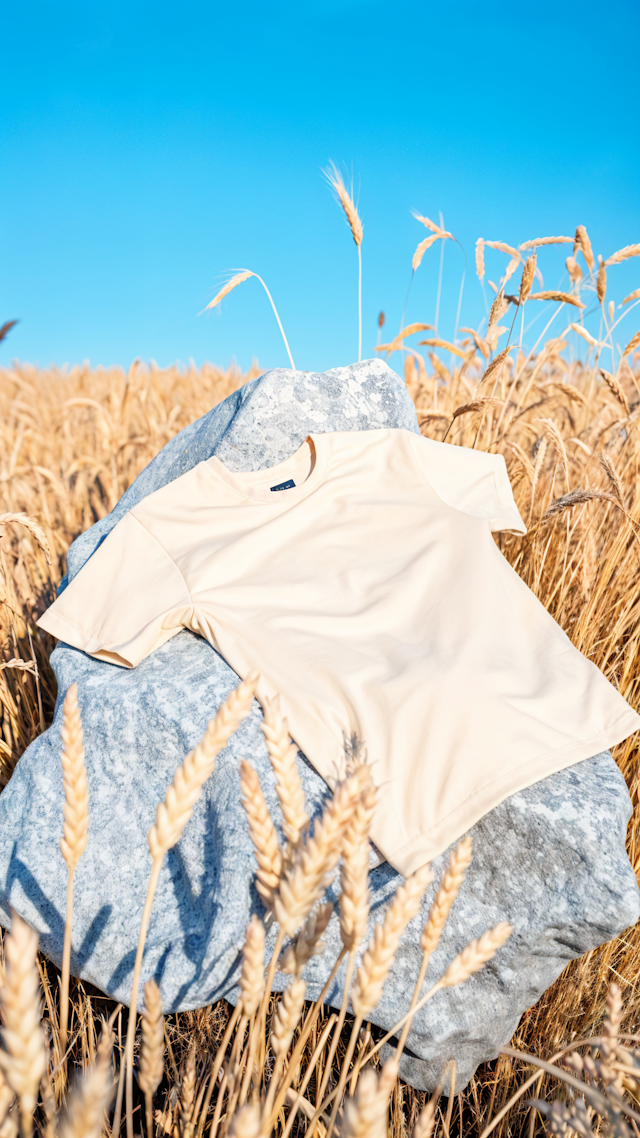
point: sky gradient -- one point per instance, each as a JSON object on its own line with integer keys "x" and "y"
{"x": 149, "y": 147}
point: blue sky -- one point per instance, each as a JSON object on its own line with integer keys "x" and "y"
{"x": 149, "y": 147}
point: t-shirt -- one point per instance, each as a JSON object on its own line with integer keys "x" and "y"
{"x": 361, "y": 579}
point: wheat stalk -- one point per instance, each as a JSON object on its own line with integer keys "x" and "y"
{"x": 263, "y": 835}
{"x": 172, "y": 816}
{"x": 632, "y": 296}
{"x": 233, "y": 282}
{"x": 22, "y": 1059}
{"x": 76, "y": 828}
{"x": 282, "y": 753}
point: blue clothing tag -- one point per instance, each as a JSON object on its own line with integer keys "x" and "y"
{"x": 284, "y": 485}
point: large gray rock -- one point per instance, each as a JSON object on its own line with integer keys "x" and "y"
{"x": 551, "y": 859}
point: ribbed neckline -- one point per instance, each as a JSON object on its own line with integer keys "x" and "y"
{"x": 254, "y": 485}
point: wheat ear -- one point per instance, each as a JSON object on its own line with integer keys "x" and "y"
{"x": 91, "y": 1095}
{"x": 380, "y": 954}
{"x": 354, "y": 871}
{"x": 172, "y": 816}
{"x": 247, "y": 1123}
{"x": 336, "y": 181}
{"x": 365, "y": 1115}
{"x": 475, "y": 955}
{"x": 285, "y": 1021}
{"x": 34, "y": 528}
{"x": 377, "y": 961}
{"x": 23, "y": 1056}
{"x": 427, "y": 1118}
{"x": 187, "y": 1093}
{"x": 472, "y": 958}
{"x": 450, "y": 885}
{"x": 75, "y": 830}
{"x": 354, "y": 899}
{"x": 263, "y": 835}
{"x": 308, "y": 942}
{"x": 239, "y": 278}
{"x": 151, "y": 1049}
{"x": 528, "y": 274}
{"x": 282, "y": 753}
{"x": 316, "y": 858}
{"x": 612, "y": 475}
{"x": 252, "y": 975}
{"x": 459, "y": 862}
{"x": 314, "y": 864}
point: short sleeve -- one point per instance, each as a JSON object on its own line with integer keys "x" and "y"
{"x": 470, "y": 480}
{"x": 127, "y": 600}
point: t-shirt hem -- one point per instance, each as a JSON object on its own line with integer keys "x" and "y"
{"x": 69, "y": 634}
{"x": 428, "y": 844}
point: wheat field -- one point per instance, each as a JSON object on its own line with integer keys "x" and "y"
{"x": 565, "y": 414}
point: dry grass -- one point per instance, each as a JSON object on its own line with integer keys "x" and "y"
{"x": 71, "y": 444}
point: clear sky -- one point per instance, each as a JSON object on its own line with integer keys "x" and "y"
{"x": 149, "y": 147}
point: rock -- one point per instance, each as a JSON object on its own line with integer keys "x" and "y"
{"x": 551, "y": 859}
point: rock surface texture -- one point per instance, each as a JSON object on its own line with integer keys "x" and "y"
{"x": 551, "y": 859}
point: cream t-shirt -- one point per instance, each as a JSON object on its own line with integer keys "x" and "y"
{"x": 369, "y": 592}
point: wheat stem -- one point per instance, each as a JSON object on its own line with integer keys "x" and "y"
{"x": 128, "y": 1052}
{"x": 304, "y": 1035}
{"x": 299, "y": 1094}
{"x": 359, "y": 303}
{"x": 215, "y": 1066}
